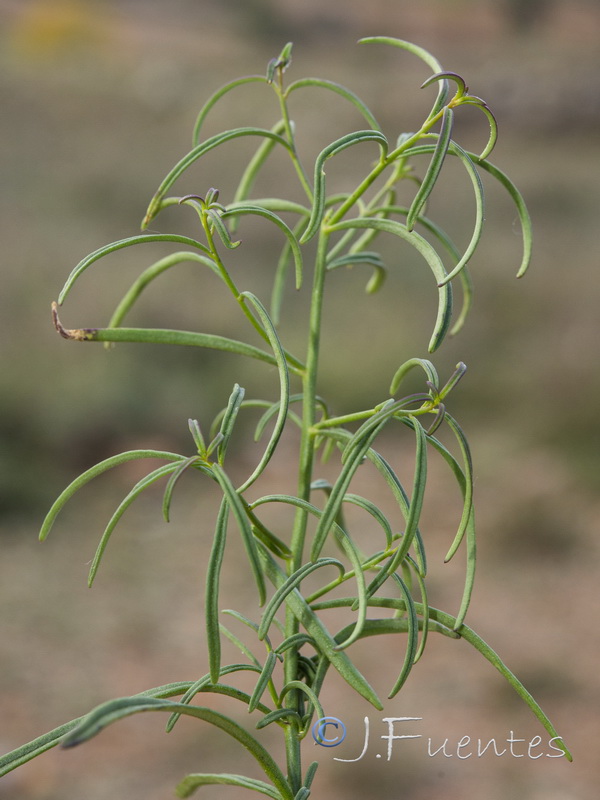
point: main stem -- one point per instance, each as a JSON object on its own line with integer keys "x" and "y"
{"x": 305, "y": 475}
{"x": 307, "y": 441}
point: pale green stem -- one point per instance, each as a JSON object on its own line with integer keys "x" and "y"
{"x": 290, "y": 136}
{"x": 307, "y": 453}
{"x": 236, "y": 293}
{"x": 381, "y": 167}
{"x": 428, "y": 407}
{"x": 368, "y": 564}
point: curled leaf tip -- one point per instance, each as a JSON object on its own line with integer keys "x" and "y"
{"x": 187, "y": 197}
{"x": 453, "y": 76}
{"x": 78, "y": 334}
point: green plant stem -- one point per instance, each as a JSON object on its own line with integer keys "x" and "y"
{"x": 289, "y": 131}
{"x": 372, "y": 562}
{"x": 229, "y": 281}
{"x": 307, "y": 453}
{"x": 380, "y": 167}
{"x": 309, "y": 408}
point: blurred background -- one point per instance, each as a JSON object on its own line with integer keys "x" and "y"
{"x": 98, "y": 101}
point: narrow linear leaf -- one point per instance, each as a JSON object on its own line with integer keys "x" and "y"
{"x": 303, "y": 687}
{"x": 493, "y": 122}
{"x": 281, "y": 272}
{"x": 319, "y": 180}
{"x": 191, "y": 783}
{"x": 211, "y": 592}
{"x": 418, "y": 494}
{"x": 470, "y": 571}
{"x": 21, "y": 755}
{"x": 424, "y": 606}
{"x": 175, "y": 475}
{"x": 468, "y": 485}
{"x": 263, "y": 680}
{"x": 522, "y": 211}
{"x": 412, "y": 638}
{"x": 433, "y": 170}
{"x": 196, "y": 431}
{"x": 454, "y": 378}
{"x": 467, "y": 522}
{"x": 264, "y": 150}
{"x": 374, "y": 627}
{"x": 310, "y": 774}
{"x": 275, "y": 204}
{"x": 453, "y": 76}
{"x": 277, "y": 715}
{"x": 290, "y": 584}
{"x": 365, "y": 257}
{"x": 149, "y": 274}
{"x": 398, "y": 491}
{"x": 218, "y": 225}
{"x": 171, "y": 337}
{"x": 374, "y": 511}
{"x": 338, "y": 89}
{"x": 119, "y": 245}
{"x": 93, "y": 472}
{"x": 214, "y": 98}
{"x": 429, "y": 254}
{"x": 140, "y": 486}
{"x": 271, "y": 411}
{"x": 296, "y": 640}
{"x": 206, "y": 684}
{"x": 421, "y": 53}
{"x": 115, "y": 710}
{"x": 388, "y": 625}
{"x": 196, "y": 153}
{"x": 268, "y": 538}
{"x": 450, "y": 247}
{"x": 228, "y": 691}
{"x": 237, "y": 507}
{"x": 347, "y": 546}
{"x": 479, "y": 644}
{"x": 412, "y": 509}
{"x": 231, "y": 612}
{"x": 213, "y": 444}
{"x": 218, "y": 419}
{"x": 284, "y": 388}
{"x": 323, "y": 639}
{"x": 405, "y": 368}
{"x": 444, "y": 623}
{"x": 238, "y": 642}
{"x": 242, "y": 210}
{"x": 464, "y": 275}
{"x": 355, "y": 457}
{"x": 306, "y": 669}
{"x": 350, "y": 549}
{"x": 455, "y": 150}
{"x": 401, "y": 497}
{"x": 229, "y": 418}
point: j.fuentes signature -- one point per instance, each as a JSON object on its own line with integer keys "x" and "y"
{"x": 331, "y": 732}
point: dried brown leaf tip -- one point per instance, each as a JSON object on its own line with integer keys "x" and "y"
{"x": 78, "y": 334}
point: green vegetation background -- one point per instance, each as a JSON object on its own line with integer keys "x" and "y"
{"x": 97, "y": 102}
